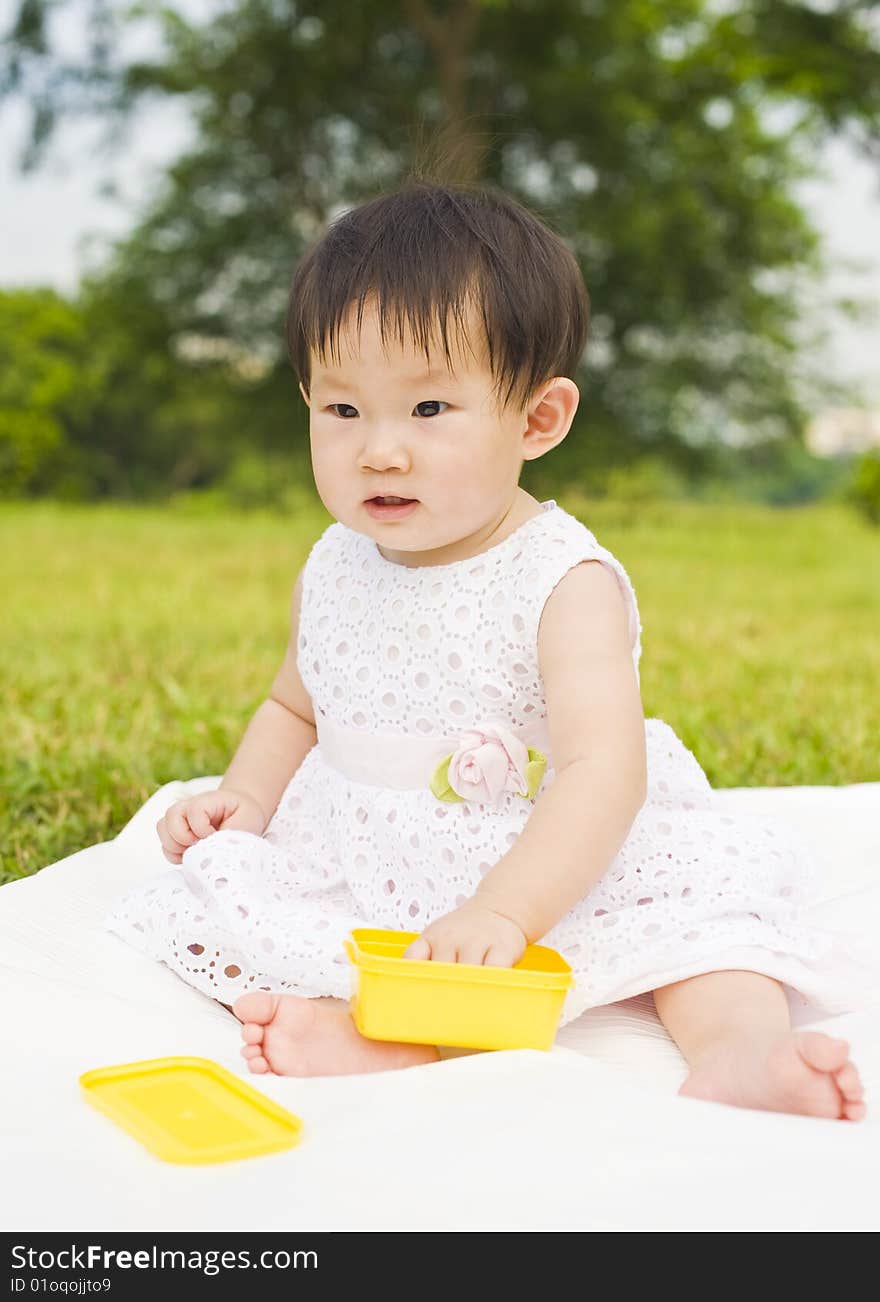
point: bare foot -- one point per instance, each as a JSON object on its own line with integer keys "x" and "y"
{"x": 805, "y": 1072}
{"x": 292, "y": 1036}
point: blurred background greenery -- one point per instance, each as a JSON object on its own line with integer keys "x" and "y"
{"x": 664, "y": 142}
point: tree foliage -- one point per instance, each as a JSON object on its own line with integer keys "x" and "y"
{"x": 662, "y": 141}
{"x": 40, "y": 386}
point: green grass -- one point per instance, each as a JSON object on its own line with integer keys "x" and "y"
{"x": 137, "y": 642}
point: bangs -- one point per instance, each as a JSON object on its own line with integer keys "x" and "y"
{"x": 444, "y": 265}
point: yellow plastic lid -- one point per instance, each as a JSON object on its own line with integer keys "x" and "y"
{"x": 190, "y": 1110}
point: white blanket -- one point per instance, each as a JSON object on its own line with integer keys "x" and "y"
{"x": 591, "y": 1136}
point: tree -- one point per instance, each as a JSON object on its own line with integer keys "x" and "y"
{"x": 640, "y": 132}
{"x": 92, "y": 404}
{"x": 42, "y": 388}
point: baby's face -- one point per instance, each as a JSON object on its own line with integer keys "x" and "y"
{"x": 381, "y": 425}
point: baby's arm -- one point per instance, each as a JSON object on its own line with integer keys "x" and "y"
{"x": 597, "y": 738}
{"x": 280, "y": 734}
{"x": 276, "y": 741}
{"x": 580, "y": 821}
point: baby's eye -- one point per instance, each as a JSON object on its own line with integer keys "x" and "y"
{"x": 432, "y": 402}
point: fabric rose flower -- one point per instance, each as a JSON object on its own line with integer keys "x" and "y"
{"x": 489, "y": 762}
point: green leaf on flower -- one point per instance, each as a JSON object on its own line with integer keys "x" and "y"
{"x": 439, "y": 783}
{"x": 534, "y": 772}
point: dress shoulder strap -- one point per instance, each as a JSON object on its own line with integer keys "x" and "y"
{"x": 328, "y": 558}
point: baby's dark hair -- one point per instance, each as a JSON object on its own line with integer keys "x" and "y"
{"x": 426, "y": 250}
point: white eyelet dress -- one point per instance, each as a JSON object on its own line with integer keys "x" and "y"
{"x": 400, "y": 662}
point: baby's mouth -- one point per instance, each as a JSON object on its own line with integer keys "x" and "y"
{"x": 392, "y": 501}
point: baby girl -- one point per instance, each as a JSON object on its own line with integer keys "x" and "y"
{"x": 454, "y": 744}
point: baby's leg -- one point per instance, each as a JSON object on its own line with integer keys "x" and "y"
{"x": 293, "y": 1036}
{"x": 735, "y": 1031}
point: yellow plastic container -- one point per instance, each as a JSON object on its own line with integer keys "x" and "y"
{"x": 190, "y": 1110}
{"x": 465, "y": 1005}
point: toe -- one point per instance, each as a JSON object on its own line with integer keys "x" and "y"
{"x": 849, "y": 1083}
{"x": 256, "y": 1007}
{"x": 821, "y": 1052}
{"x": 251, "y": 1051}
{"x": 258, "y": 1066}
{"x": 854, "y": 1111}
{"x": 252, "y": 1032}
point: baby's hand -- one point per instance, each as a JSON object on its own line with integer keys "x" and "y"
{"x": 188, "y": 821}
{"x": 471, "y": 933}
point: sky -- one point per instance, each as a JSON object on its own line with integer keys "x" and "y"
{"x": 51, "y": 219}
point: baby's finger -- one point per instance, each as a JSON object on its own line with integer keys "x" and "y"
{"x": 198, "y": 820}
{"x": 472, "y": 951}
{"x": 444, "y": 951}
{"x": 418, "y": 949}
{"x": 500, "y": 956}
{"x": 171, "y": 848}
{"x": 178, "y": 828}
{"x": 172, "y": 851}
